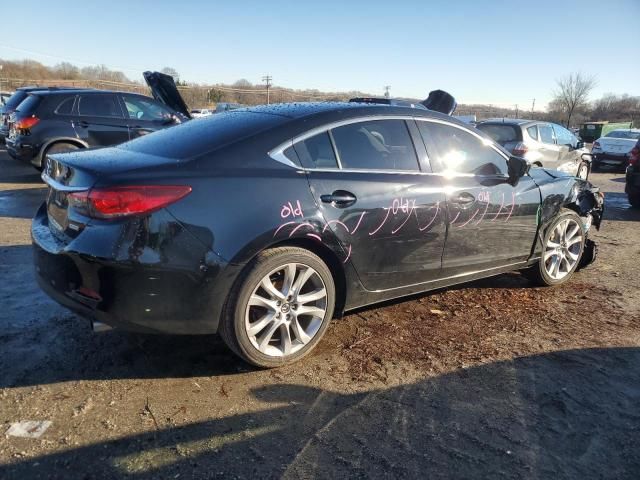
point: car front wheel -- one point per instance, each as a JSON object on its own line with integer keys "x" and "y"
{"x": 583, "y": 171}
{"x": 563, "y": 243}
{"x": 280, "y": 307}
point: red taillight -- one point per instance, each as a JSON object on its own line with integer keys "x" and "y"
{"x": 123, "y": 201}
{"x": 27, "y": 123}
{"x": 634, "y": 157}
{"x": 520, "y": 149}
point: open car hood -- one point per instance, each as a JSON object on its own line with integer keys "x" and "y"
{"x": 163, "y": 88}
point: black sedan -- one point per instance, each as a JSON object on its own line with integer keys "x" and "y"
{"x": 264, "y": 223}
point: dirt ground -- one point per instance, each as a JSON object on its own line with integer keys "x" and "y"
{"x": 492, "y": 379}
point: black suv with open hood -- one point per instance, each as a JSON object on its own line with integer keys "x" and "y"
{"x": 57, "y": 120}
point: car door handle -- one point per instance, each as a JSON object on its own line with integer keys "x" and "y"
{"x": 463, "y": 199}
{"x": 339, "y": 198}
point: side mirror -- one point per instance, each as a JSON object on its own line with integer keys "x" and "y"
{"x": 518, "y": 168}
{"x": 579, "y": 145}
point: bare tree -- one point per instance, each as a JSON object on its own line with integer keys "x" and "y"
{"x": 572, "y": 92}
{"x": 171, "y": 72}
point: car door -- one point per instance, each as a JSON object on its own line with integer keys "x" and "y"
{"x": 145, "y": 115}
{"x": 100, "y": 121}
{"x": 550, "y": 151}
{"x": 490, "y": 223}
{"x": 568, "y": 156}
{"x": 378, "y": 199}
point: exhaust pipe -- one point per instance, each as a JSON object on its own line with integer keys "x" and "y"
{"x": 98, "y": 327}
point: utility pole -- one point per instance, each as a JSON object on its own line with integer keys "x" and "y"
{"x": 267, "y": 79}
{"x": 533, "y": 106}
{"x": 516, "y": 110}
{"x": 386, "y": 91}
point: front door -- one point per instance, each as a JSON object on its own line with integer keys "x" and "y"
{"x": 373, "y": 193}
{"x": 100, "y": 120}
{"x": 549, "y": 150}
{"x": 490, "y": 223}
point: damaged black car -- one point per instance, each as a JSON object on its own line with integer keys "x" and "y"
{"x": 265, "y": 223}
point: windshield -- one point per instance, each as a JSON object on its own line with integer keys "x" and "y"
{"x": 629, "y": 134}
{"x": 501, "y": 133}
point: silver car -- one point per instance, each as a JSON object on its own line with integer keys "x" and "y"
{"x": 614, "y": 149}
{"x": 542, "y": 144}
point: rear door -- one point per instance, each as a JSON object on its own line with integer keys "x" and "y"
{"x": 100, "y": 121}
{"x": 145, "y": 115}
{"x": 549, "y": 150}
{"x": 378, "y": 199}
{"x": 490, "y": 223}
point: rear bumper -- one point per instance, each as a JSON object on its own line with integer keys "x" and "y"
{"x": 610, "y": 159}
{"x": 22, "y": 151}
{"x": 175, "y": 292}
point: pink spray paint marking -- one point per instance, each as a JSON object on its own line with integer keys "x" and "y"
{"x": 501, "y": 205}
{"x": 305, "y": 224}
{"x": 313, "y": 235}
{"x": 383, "y": 222}
{"x": 413, "y": 207}
{"x": 281, "y": 227}
{"x": 513, "y": 204}
{"x": 337, "y": 222}
{"x": 348, "y": 255}
{"x": 358, "y": 224}
{"x": 432, "y": 220}
{"x": 289, "y": 209}
{"x": 483, "y": 214}
{"x": 470, "y": 218}
{"x": 454, "y": 220}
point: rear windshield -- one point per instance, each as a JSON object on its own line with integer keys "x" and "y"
{"x": 501, "y": 133}
{"x": 193, "y": 138}
{"x": 29, "y": 105}
{"x": 623, "y": 134}
{"x": 14, "y": 100}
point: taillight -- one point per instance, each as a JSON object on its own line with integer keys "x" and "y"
{"x": 634, "y": 157}
{"x": 117, "y": 202}
{"x": 596, "y": 144}
{"x": 27, "y": 123}
{"x": 520, "y": 149}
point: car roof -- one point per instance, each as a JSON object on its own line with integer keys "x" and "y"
{"x": 635, "y": 130}
{"x": 507, "y": 121}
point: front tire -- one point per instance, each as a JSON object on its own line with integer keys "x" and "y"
{"x": 583, "y": 171}
{"x": 634, "y": 199}
{"x": 563, "y": 244}
{"x": 279, "y": 308}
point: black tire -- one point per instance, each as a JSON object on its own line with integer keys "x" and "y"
{"x": 537, "y": 273}
{"x": 232, "y": 324}
{"x": 58, "y": 147}
{"x": 634, "y": 199}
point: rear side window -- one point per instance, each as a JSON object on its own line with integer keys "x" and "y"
{"x": 458, "y": 151}
{"x": 29, "y": 105}
{"x": 15, "y": 99}
{"x": 99, "y": 106}
{"x": 65, "y": 107}
{"x": 501, "y": 133}
{"x": 376, "y": 145}
{"x": 533, "y": 132}
{"x": 546, "y": 133}
{"x": 316, "y": 152}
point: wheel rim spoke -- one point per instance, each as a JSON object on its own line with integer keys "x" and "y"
{"x": 312, "y": 296}
{"x": 299, "y": 332}
{"x": 271, "y": 289}
{"x": 313, "y": 311}
{"x": 574, "y": 240}
{"x": 256, "y": 327}
{"x": 259, "y": 301}
{"x": 302, "y": 279}
{"x": 285, "y": 335}
{"x": 266, "y": 337}
{"x": 289, "y": 277}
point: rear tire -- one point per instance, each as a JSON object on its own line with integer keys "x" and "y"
{"x": 563, "y": 244}
{"x": 279, "y": 308}
{"x": 59, "y": 147}
{"x": 634, "y": 199}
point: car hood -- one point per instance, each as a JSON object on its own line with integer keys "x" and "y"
{"x": 164, "y": 89}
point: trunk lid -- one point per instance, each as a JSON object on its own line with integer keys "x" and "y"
{"x": 164, "y": 89}
{"x": 617, "y": 146}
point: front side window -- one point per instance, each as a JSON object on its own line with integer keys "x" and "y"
{"x": 99, "y": 106}
{"x": 316, "y": 152}
{"x": 142, "y": 109}
{"x": 546, "y": 133}
{"x": 376, "y": 145}
{"x": 458, "y": 151}
{"x": 564, "y": 136}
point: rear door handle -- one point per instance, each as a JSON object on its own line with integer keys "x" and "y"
{"x": 464, "y": 198}
{"x": 339, "y": 198}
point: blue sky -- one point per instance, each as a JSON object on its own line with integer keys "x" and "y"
{"x": 500, "y": 52}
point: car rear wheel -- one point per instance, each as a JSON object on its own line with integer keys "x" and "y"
{"x": 563, "y": 243}
{"x": 280, "y": 307}
{"x": 634, "y": 199}
{"x": 59, "y": 147}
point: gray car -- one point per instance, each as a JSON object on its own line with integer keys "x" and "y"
{"x": 542, "y": 144}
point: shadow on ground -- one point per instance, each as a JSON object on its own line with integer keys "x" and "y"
{"x": 570, "y": 414}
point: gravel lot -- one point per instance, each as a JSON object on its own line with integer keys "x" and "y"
{"x": 490, "y": 379}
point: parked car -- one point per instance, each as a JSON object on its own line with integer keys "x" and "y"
{"x": 614, "y": 149}
{"x": 590, "y": 131}
{"x": 4, "y": 96}
{"x": 225, "y": 107}
{"x": 12, "y": 103}
{"x": 52, "y": 121}
{"x": 542, "y": 144}
{"x": 264, "y": 223}
{"x": 632, "y": 185}
{"x": 201, "y": 112}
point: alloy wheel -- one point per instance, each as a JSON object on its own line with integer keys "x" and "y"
{"x": 562, "y": 250}
{"x": 286, "y": 310}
